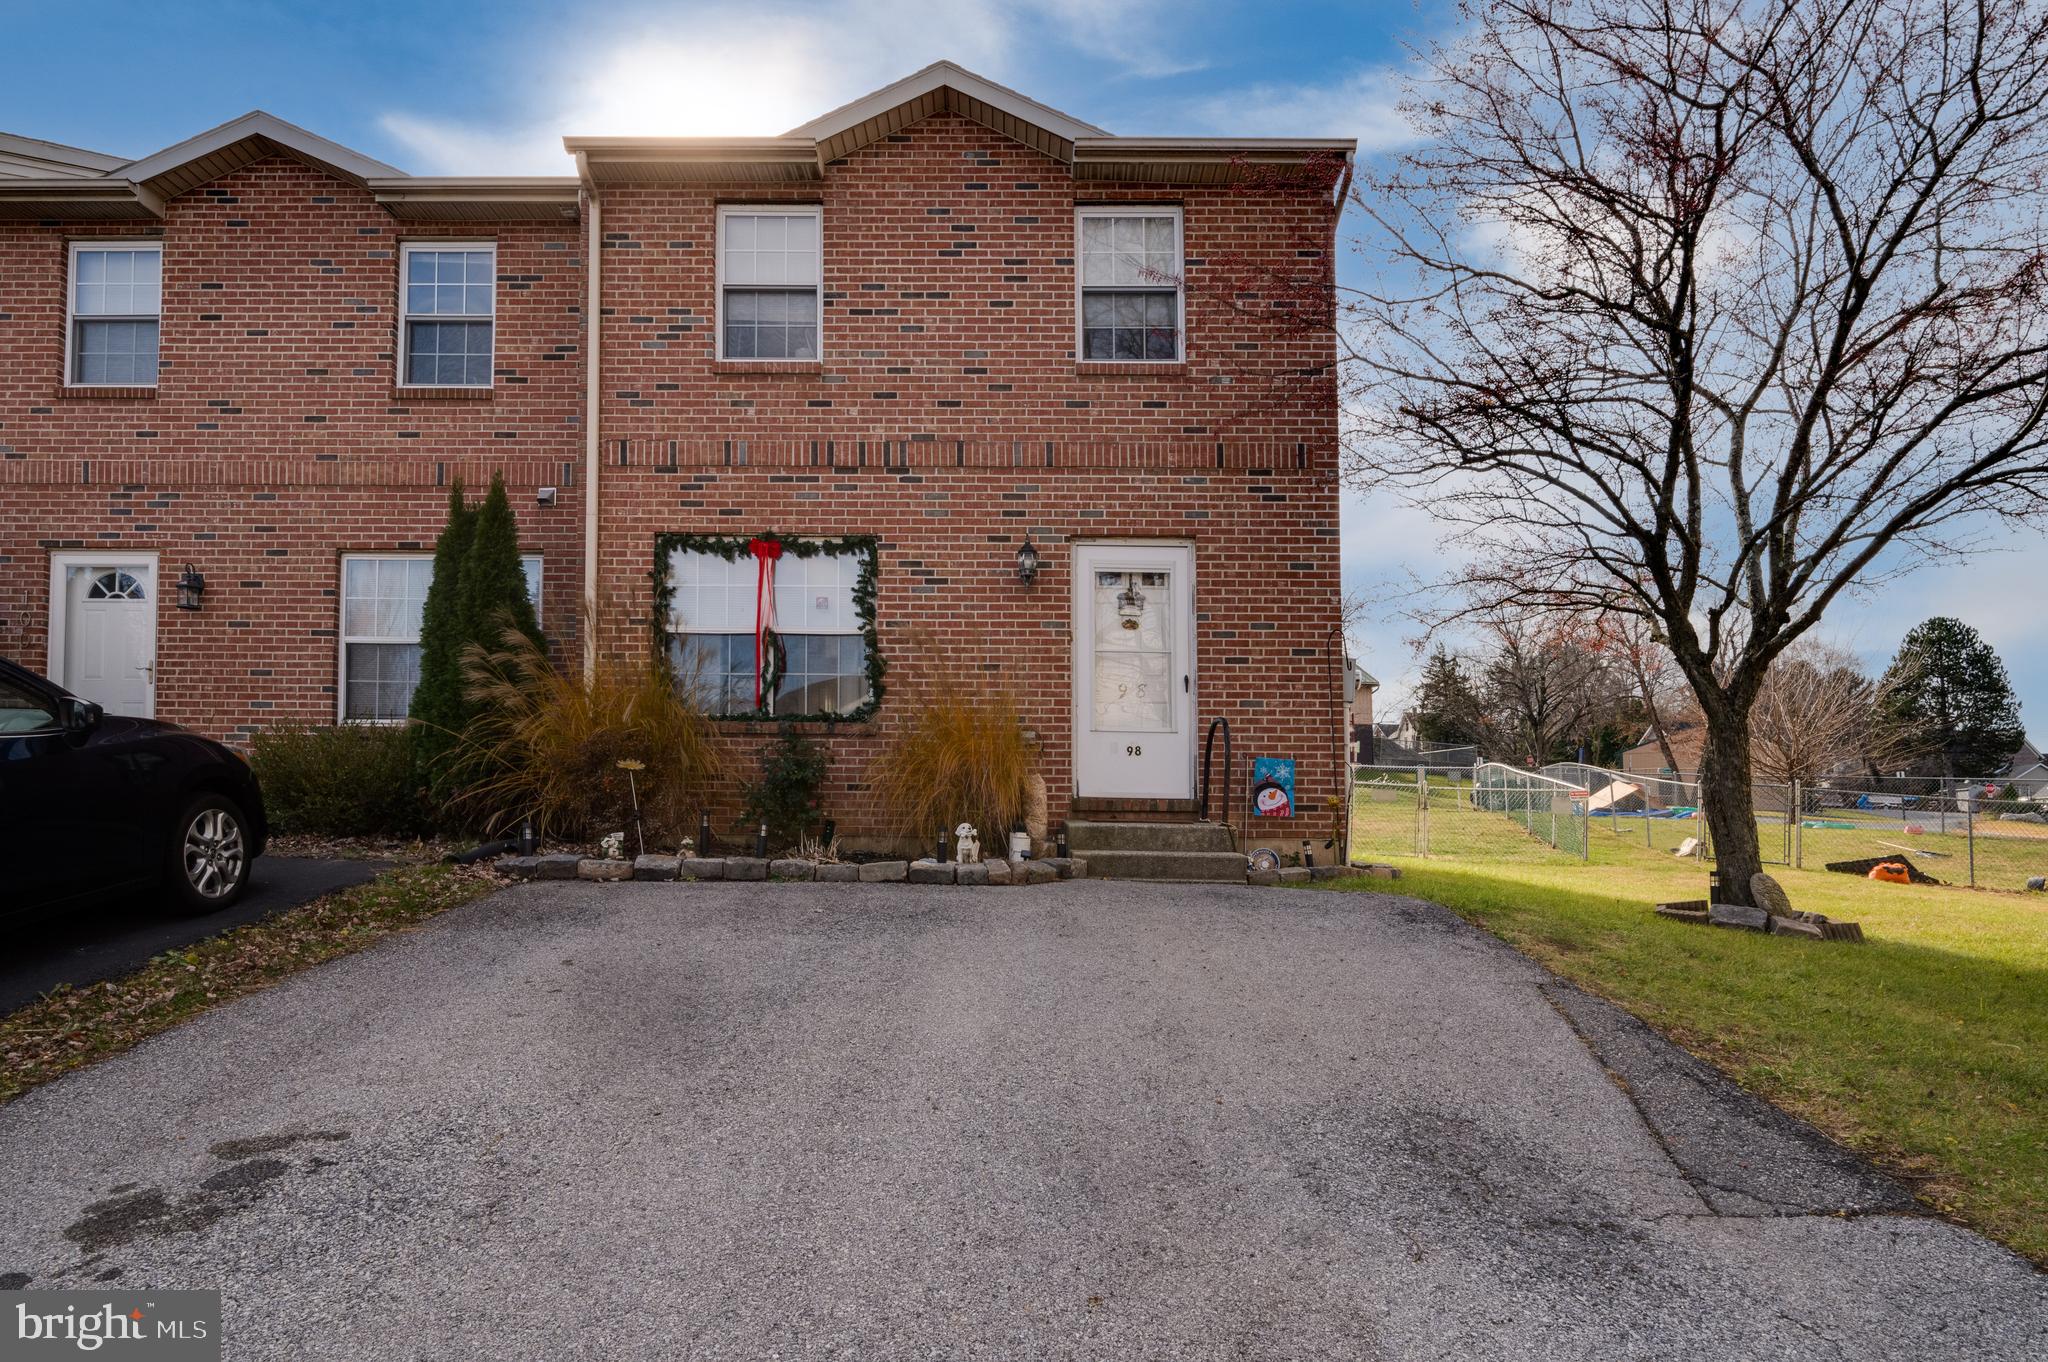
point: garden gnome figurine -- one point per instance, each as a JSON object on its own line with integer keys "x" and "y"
{"x": 966, "y": 844}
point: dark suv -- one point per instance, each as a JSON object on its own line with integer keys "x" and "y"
{"x": 94, "y": 804}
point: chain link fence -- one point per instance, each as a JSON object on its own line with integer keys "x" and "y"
{"x": 1487, "y": 811}
{"x": 1972, "y": 832}
{"x": 1661, "y": 813}
{"x": 1966, "y": 832}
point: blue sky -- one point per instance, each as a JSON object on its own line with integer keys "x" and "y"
{"x": 456, "y": 88}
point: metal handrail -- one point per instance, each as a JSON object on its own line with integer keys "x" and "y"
{"x": 1208, "y": 750}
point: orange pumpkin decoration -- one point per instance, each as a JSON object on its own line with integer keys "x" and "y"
{"x": 1891, "y": 872}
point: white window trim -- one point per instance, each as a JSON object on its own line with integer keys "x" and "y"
{"x": 342, "y": 637}
{"x": 1180, "y": 288}
{"x": 71, "y": 304}
{"x": 405, "y": 252}
{"x": 856, "y": 629}
{"x": 725, "y": 210}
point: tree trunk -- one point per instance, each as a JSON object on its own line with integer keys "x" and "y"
{"x": 1726, "y": 800}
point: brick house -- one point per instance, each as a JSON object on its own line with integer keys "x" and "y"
{"x": 903, "y": 342}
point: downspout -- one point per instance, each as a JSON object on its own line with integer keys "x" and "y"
{"x": 593, "y": 326}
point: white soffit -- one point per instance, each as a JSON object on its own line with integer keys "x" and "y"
{"x": 944, "y": 87}
{"x": 238, "y": 142}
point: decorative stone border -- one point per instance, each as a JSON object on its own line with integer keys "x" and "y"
{"x": 1811, "y": 926}
{"x": 1044, "y": 870}
{"x": 791, "y": 869}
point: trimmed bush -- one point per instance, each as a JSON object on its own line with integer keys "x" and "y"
{"x": 350, "y": 780}
{"x": 439, "y": 710}
{"x": 478, "y": 592}
{"x": 493, "y": 582}
{"x": 786, "y": 797}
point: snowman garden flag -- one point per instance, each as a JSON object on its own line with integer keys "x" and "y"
{"x": 1273, "y": 787}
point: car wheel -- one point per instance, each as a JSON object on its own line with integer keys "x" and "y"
{"x": 210, "y": 854}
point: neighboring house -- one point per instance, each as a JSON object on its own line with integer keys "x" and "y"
{"x": 1647, "y": 758}
{"x": 2026, "y": 771}
{"x": 1400, "y": 743}
{"x": 908, "y": 339}
{"x": 1359, "y": 685}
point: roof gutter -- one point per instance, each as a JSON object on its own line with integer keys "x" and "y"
{"x": 470, "y": 198}
{"x": 78, "y": 197}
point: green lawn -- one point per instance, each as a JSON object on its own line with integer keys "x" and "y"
{"x": 1926, "y": 1047}
{"x": 1384, "y": 824}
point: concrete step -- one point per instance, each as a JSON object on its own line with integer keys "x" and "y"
{"x": 1086, "y": 838}
{"x": 1226, "y": 867}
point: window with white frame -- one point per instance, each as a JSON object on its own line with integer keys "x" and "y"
{"x": 382, "y": 597}
{"x": 448, "y": 311}
{"x": 768, "y": 273}
{"x": 116, "y": 302}
{"x": 824, "y": 641}
{"x": 1130, "y": 283}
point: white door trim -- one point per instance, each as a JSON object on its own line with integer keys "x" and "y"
{"x": 1186, "y": 696}
{"x": 60, "y": 607}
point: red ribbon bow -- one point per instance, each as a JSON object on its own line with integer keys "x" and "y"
{"x": 765, "y": 552}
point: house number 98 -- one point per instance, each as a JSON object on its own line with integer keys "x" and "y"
{"x": 1134, "y": 751}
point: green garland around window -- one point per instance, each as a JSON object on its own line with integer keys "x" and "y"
{"x": 733, "y": 548}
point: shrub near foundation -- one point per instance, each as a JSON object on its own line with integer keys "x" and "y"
{"x": 786, "y": 797}
{"x": 959, "y": 755}
{"x": 350, "y": 780}
{"x": 546, "y": 743}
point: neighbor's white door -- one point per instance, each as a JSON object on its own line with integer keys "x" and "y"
{"x": 104, "y": 646}
{"x": 1134, "y": 671}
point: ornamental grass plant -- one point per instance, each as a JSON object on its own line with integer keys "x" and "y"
{"x": 547, "y": 743}
{"x": 959, "y": 753}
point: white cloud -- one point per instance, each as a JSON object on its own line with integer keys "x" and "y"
{"x": 740, "y": 69}
{"x": 1388, "y": 546}
{"x": 1364, "y": 104}
{"x": 1134, "y": 36}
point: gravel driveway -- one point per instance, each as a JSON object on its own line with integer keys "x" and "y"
{"x": 1086, "y": 1120}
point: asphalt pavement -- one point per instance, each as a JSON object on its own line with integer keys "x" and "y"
{"x": 85, "y": 945}
{"x": 864, "y": 1121}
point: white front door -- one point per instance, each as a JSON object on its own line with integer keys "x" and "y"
{"x": 103, "y": 630}
{"x": 1134, "y": 671}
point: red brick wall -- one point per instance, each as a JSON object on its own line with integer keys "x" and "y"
{"x": 274, "y": 441}
{"x": 263, "y": 647}
{"x": 1266, "y": 593}
{"x": 949, "y": 417}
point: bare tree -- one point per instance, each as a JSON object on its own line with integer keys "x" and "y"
{"x": 1629, "y": 641}
{"x": 1542, "y": 689}
{"x": 1812, "y": 712}
{"x": 1709, "y": 311}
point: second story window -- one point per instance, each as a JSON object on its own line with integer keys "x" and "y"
{"x": 116, "y": 299}
{"x": 1130, "y": 279}
{"x": 447, "y": 315}
{"x": 768, "y": 282}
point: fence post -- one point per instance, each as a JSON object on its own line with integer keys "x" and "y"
{"x": 1798, "y": 828}
{"x": 1970, "y": 832}
{"x": 1421, "y": 814}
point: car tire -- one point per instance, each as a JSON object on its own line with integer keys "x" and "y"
{"x": 209, "y": 862}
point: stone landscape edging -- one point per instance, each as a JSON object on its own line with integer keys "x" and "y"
{"x": 792, "y": 869}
